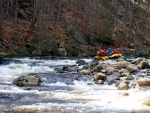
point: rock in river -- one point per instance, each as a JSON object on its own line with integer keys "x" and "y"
{"x": 29, "y": 80}
{"x": 144, "y": 82}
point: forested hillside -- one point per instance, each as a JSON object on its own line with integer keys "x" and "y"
{"x": 78, "y": 27}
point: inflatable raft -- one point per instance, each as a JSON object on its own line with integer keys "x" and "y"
{"x": 113, "y": 56}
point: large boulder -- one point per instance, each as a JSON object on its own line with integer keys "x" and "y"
{"x": 27, "y": 81}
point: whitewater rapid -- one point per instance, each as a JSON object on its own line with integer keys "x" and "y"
{"x": 79, "y": 97}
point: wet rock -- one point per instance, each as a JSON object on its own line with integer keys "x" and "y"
{"x": 122, "y": 64}
{"x": 97, "y": 68}
{"x": 148, "y": 74}
{"x": 123, "y": 71}
{"x": 125, "y": 94}
{"x": 127, "y": 73}
{"x": 84, "y": 72}
{"x": 144, "y": 82}
{"x": 93, "y": 63}
{"x": 99, "y": 82}
{"x": 123, "y": 86}
{"x": 29, "y": 80}
{"x": 1, "y": 59}
{"x": 133, "y": 84}
{"x": 131, "y": 68}
{"x": 138, "y": 60}
{"x": 147, "y": 101}
{"x": 65, "y": 68}
{"x": 112, "y": 79}
{"x": 81, "y": 62}
{"x": 103, "y": 71}
{"x": 128, "y": 77}
{"x": 122, "y": 58}
{"x": 100, "y": 76}
{"x": 110, "y": 70}
{"x": 86, "y": 67}
{"x": 144, "y": 65}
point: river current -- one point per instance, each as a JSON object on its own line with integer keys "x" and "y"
{"x": 59, "y": 93}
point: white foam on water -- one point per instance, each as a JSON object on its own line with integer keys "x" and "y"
{"x": 26, "y": 65}
{"x": 95, "y": 97}
{"x": 11, "y": 71}
{"x": 83, "y": 96}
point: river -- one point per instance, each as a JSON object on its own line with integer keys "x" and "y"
{"x": 60, "y": 93}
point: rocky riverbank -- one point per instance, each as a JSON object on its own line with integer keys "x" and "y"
{"x": 124, "y": 73}
{"x": 75, "y": 85}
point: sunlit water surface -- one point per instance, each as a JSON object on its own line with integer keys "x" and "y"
{"x": 82, "y": 96}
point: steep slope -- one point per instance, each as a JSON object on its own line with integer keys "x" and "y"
{"x": 81, "y": 27}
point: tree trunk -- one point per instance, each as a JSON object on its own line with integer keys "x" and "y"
{"x": 57, "y": 19}
{"x": 1, "y": 18}
{"x": 16, "y": 11}
{"x": 77, "y": 7}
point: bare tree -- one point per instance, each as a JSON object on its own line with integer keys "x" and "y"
{"x": 16, "y": 11}
{"x": 57, "y": 18}
{"x": 1, "y": 17}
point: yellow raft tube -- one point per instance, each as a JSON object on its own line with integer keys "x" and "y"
{"x": 108, "y": 57}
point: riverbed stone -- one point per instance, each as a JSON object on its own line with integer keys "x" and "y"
{"x": 110, "y": 70}
{"x": 84, "y": 72}
{"x": 81, "y": 62}
{"x": 144, "y": 65}
{"x": 99, "y": 82}
{"x": 123, "y": 71}
{"x": 123, "y": 86}
{"x": 144, "y": 82}
{"x": 146, "y": 101}
{"x": 122, "y": 64}
{"x": 122, "y": 58}
{"x": 100, "y": 76}
{"x": 131, "y": 68}
{"x": 127, "y": 73}
{"x": 1, "y": 59}
{"x": 97, "y": 68}
{"x": 138, "y": 60}
{"x": 93, "y": 63}
{"x": 27, "y": 81}
{"x": 112, "y": 79}
{"x": 128, "y": 77}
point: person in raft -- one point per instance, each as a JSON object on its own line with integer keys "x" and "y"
{"x": 108, "y": 52}
{"x": 102, "y": 52}
{"x": 117, "y": 51}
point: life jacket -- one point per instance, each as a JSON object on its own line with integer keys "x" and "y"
{"x": 102, "y": 52}
{"x": 108, "y": 52}
{"x": 115, "y": 51}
